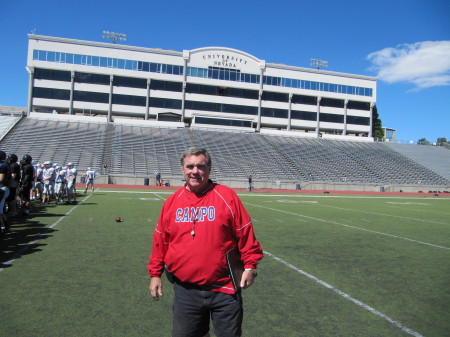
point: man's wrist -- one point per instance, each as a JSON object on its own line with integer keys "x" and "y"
{"x": 253, "y": 270}
{"x": 155, "y": 276}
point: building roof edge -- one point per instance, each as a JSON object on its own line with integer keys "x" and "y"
{"x": 104, "y": 45}
{"x": 316, "y": 71}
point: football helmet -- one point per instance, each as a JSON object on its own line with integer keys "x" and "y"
{"x": 27, "y": 159}
{"x": 12, "y": 158}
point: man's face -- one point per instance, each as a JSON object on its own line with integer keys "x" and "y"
{"x": 196, "y": 172}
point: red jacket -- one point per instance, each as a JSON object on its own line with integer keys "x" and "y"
{"x": 194, "y": 233}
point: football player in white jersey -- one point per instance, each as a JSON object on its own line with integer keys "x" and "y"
{"x": 71, "y": 177}
{"x": 39, "y": 186}
{"x": 90, "y": 176}
{"x": 60, "y": 187}
{"x": 48, "y": 179}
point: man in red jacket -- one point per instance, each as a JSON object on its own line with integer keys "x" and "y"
{"x": 197, "y": 225}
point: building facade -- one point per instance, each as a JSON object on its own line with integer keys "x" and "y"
{"x": 390, "y": 135}
{"x": 206, "y": 87}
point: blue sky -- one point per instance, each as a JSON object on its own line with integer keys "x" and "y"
{"x": 405, "y": 43}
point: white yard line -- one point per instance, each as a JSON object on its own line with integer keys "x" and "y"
{"x": 41, "y": 235}
{"x": 246, "y": 194}
{"x": 344, "y": 196}
{"x": 137, "y": 192}
{"x": 348, "y": 297}
{"x": 157, "y": 195}
{"x": 349, "y": 226}
{"x": 383, "y": 214}
{"x": 417, "y": 210}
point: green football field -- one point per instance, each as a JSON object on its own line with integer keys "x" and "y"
{"x": 333, "y": 266}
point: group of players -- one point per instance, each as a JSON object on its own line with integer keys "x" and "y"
{"x": 21, "y": 182}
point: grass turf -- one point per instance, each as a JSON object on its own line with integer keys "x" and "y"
{"x": 86, "y": 276}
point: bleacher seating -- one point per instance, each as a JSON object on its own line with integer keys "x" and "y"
{"x": 59, "y": 141}
{"x": 437, "y": 158}
{"x": 356, "y": 162}
{"x": 242, "y": 154}
{"x": 140, "y": 150}
{"x": 6, "y": 123}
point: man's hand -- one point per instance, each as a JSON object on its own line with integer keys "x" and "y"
{"x": 247, "y": 279}
{"x": 156, "y": 288}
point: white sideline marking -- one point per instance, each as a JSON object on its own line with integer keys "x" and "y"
{"x": 138, "y": 192}
{"x": 348, "y": 297}
{"x": 407, "y": 203}
{"x": 349, "y": 226}
{"x": 418, "y": 210}
{"x": 430, "y": 198}
{"x": 160, "y": 197}
{"x": 41, "y": 235}
{"x": 244, "y": 194}
{"x": 141, "y": 192}
{"x": 393, "y": 216}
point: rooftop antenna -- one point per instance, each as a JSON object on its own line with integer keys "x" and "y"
{"x": 114, "y": 37}
{"x": 318, "y": 63}
{"x": 33, "y": 31}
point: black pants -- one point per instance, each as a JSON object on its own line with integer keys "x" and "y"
{"x": 193, "y": 308}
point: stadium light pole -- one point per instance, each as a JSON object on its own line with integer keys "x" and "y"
{"x": 318, "y": 63}
{"x": 114, "y": 37}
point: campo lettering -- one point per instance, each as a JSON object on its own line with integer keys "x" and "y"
{"x": 197, "y": 214}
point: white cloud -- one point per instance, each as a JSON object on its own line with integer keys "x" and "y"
{"x": 424, "y": 64}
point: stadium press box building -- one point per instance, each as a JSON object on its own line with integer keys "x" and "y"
{"x": 211, "y": 87}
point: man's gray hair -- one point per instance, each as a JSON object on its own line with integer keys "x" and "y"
{"x": 196, "y": 151}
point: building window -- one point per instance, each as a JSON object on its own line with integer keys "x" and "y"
{"x": 106, "y": 62}
{"x": 275, "y": 96}
{"x": 304, "y": 115}
{"x": 193, "y": 88}
{"x": 302, "y": 99}
{"x": 223, "y": 91}
{"x": 220, "y": 107}
{"x": 130, "y": 82}
{"x": 358, "y": 105}
{"x": 331, "y": 118}
{"x": 128, "y": 100}
{"x": 223, "y": 122}
{"x": 223, "y": 74}
{"x": 166, "y": 85}
{"x": 87, "y": 96}
{"x": 54, "y": 75}
{"x": 167, "y": 103}
{"x": 276, "y": 113}
{"x": 92, "y": 78}
{"x": 48, "y": 93}
{"x": 319, "y": 86}
{"x": 358, "y": 120}
{"x": 332, "y": 102}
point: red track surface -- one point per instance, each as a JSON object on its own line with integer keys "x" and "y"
{"x": 144, "y": 187}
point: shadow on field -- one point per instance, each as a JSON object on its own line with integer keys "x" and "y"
{"x": 24, "y": 231}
